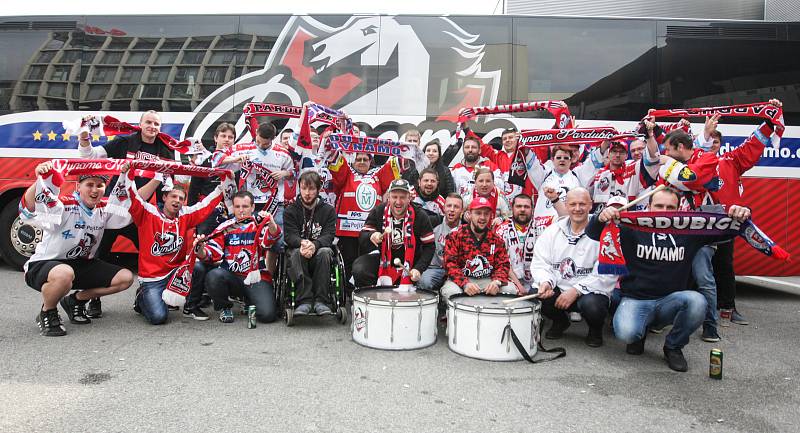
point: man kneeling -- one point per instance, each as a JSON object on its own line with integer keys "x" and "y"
{"x": 309, "y": 230}
{"x": 241, "y": 243}
{"x": 564, "y": 268}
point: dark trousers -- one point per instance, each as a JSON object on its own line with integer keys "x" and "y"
{"x": 109, "y": 236}
{"x": 198, "y": 284}
{"x": 365, "y": 269}
{"x": 725, "y": 276}
{"x": 348, "y": 247}
{"x": 593, "y": 307}
{"x": 311, "y": 277}
{"x": 222, "y": 283}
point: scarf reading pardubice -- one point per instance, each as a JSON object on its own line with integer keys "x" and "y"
{"x": 762, "y": 110}
{"x": 254, "y": 110}
{"x": 558, "y": 109}
{"x": 312, "y": 113}
{"x": 387, "y": 270}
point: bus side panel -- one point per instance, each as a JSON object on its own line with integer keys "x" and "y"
{"x": 774, "y": 202}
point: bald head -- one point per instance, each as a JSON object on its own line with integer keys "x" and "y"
{"x": 578, "y": 193}
{"x": 579, "y": 204}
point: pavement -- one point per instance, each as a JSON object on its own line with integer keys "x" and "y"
{"x": 120, "y": 374}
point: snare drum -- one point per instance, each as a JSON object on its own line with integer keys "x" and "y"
{"x": 480, "y": 326}
{"x": 383, "y": 318}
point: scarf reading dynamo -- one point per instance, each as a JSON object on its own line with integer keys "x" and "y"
{"x": 611, "y": 260}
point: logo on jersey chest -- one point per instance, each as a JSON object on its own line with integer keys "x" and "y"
{"x": 166, "y": 243}
{"x": 366, "y": 196}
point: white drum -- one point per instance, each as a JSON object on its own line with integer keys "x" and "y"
{"x": 480, "y": 326}
{"x": 383, "y": 318}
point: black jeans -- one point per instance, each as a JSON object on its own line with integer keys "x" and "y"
{"x": 198, "y": 284}
{"x": 222, "y": 283}
{"x": 311, "y": 277}
{"x": 725, "y": 276}
{"x": 365, "y": 269}
{"x": 593, "y": 307}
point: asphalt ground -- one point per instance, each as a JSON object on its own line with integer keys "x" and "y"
{"x": 120, "y": 374}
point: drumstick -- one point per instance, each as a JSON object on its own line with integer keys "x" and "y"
{"x": 521, "y": 298}
{"x": 635, "y": 202}
{"x": 400, "y": 264}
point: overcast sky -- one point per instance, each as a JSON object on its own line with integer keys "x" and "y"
{"x": 94, "y": 7}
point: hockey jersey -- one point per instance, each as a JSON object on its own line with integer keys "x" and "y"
{"x": 544, "y": 176}
{"x": 358, "y": 193}
{"x": 70, "y": 229}
{"x": 236, "y": 246}
{"x": 519, "y": 244}
{"x": 633, "y": 179}
{"x": 170, "y": 243}
{"x": 265, "y": 190}
{"x": 569, "y": 261}
{"x": 464, "y": 179}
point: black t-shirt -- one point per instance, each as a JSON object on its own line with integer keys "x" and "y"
{"x": 132, "y": 147}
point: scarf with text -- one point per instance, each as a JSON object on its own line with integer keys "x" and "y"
{"x": 264, "y": 180}
{"x": 558, "y": 109}
{"x": 533, "y": 138}
{"x": 762, "y": 110}
{"x": 387, "y": 269}
{"x": 378, "y": 146}
{"x": 254, "y": 110}
{"x": 312, "y": 113}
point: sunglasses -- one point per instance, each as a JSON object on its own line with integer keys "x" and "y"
{"x": 561, "y": 158}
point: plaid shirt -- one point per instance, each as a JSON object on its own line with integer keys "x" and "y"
{"x": 466, "y": 257}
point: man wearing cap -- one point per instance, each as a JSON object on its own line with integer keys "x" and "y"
{"x": 475, "y": 257}
{"x": 625, "y": 179}
{"x": 65, "y": 260}
{"x": 397, "y": 229}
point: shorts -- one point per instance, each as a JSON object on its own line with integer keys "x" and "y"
{"x": 89, "y": 273}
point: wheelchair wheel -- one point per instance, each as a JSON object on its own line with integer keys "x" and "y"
{"x": 341, "y": 315}
{"x": 289, "y": 317}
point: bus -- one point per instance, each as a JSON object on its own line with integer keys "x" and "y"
{"x": 392, "y": 74}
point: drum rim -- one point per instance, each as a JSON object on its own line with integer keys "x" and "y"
{"x": 493, "y": 310}
{"x": 381, "y": 302}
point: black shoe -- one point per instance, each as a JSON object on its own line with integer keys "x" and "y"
{"x": 75, "y": 310}
{"x": 557, "y": 330}
{"x": 172, "y": 308}
{"x": 205, "y": 301}
{"x": 637, "y": 347}
{"x": 94, "y": 309}
{"x": 50, "y": 323}
{"x": 675, "y": 359}
{"x": 594, "y": 338}
{"x": 195, "y": 313}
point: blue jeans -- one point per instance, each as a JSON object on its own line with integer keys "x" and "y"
{"x": 684, "y": 310}
{"x": 432, "y": 279}
{"x": 703, "y": 273}
{"x": 222, "y": 283}
{"x": 148, "y": 298}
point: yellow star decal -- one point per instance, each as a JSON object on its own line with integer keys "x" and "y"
{"x": 51, "y": 136}
{"x": 65, "y": 136}
{"x": 110, "y": 137}
{"x": 37, "y": 135}
{"x": 95, "y": 137}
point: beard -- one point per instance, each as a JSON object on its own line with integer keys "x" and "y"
{"x": 471, "y": 157}
{"x": 522, "y": 220}
{"x": 479, "y": 230}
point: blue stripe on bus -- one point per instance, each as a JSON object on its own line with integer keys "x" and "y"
{"x": 22, "y": 135}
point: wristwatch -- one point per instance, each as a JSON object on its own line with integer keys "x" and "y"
{"x": 498, "y": 282}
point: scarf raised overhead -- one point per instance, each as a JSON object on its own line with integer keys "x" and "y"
{"x": 108, "y": 125}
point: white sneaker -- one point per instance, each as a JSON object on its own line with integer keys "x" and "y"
{"x": 575, "y": 317}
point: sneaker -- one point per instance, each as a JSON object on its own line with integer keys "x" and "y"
{"x": 575, "y": 316}
{"x": 656, "y": 330}
{"x": 738, "y": 318}
{"x": 226, "y": 315}
{"x": 195, "y": 313}
{"x": 557, "y": 330}
{"x": 675, "y": 359}
{"x": 710, "y": 334}
{"x": 594, "y": 338}
{"x": 50, "y": 323}
{"x": 637, "y": 347}
{"x": 94, "y": 309}
{"x": 302, "y": 310}
{"x": 75, "y": 310}
{"x": 322, "y": 309}
{"x": 172, "y": 308}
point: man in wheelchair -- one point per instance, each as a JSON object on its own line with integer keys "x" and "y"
{"x": 309, "y": 231}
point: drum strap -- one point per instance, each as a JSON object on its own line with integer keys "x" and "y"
{"x": 559, "y": 351}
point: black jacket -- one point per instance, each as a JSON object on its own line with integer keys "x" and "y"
{"x": 423, "y": 232}
{"x": 300, "y": 223}
{"x": 132, "y": 147}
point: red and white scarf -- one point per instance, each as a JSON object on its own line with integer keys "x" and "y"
{"x": 108, "y": 125}
{"x": 379, "y": 146}
{"x": 763, "y": 110}
{"x": 387, "y": 270}
{"x": 312, "y": 113}
{"x": 254, "y": 110}
{"x": 558, "y": 109}
{"x": 532, "y": 138}
{"x": 264, "y": 174}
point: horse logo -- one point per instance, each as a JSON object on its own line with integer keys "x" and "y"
{"x": 478, "y": 267}
{"x": 337, "y": 66}
{"x": 166, "y": 243}
{"x": 608, "y": 247}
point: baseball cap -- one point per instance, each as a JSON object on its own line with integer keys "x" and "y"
{"x": 83, "y": 177}
{"x": 617, "y": 200}
{"x": 480, "y": 202}
{"x": 622, "y": 144}
{"x": 400, "y": 185}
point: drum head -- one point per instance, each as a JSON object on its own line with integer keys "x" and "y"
{"x": 491, "y": 302}
{"x": 387, "y": 293}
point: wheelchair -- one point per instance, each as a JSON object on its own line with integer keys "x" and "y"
{"x": 285, "y": 295}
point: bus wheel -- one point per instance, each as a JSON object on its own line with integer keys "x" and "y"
{"x": 18, "y": 238}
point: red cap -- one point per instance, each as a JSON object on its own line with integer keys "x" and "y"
{"x": 480, "y": 202}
